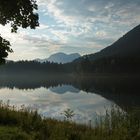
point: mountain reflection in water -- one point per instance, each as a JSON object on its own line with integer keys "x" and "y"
{"x": 87, "y": 96}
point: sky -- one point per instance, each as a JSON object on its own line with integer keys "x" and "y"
{"x": 73, "y": 26}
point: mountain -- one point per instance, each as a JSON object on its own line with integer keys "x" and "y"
{"x": 64, "y": 89}
{"x": 126, "y": 46}
{"x": 40, "y": 60}
{"x": 60, "y": 58}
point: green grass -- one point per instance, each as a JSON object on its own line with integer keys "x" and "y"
{"x": 13, "y": 133}
{"x": 25, "y": 124}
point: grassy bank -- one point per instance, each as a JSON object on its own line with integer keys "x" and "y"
{"x": 24, "y": 124}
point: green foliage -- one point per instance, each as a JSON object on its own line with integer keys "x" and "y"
{"x": 18, "y": 13}
{"x": 4, "y": 49}
{"x": 13, "y": 133}
{"x": 25, "y": 124}
{"x": 68, "y": 113}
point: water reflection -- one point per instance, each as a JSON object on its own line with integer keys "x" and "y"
{"x": 61, "y": 89}
{"x": 87, "y": 96}
{"x": 52, "y": 104}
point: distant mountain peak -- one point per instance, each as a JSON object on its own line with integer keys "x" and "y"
{"x": 60, "y": 57}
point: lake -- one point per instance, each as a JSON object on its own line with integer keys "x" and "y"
{"x": 88, "y": 97}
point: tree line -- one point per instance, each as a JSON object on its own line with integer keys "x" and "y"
{"x": 103, "y": 65}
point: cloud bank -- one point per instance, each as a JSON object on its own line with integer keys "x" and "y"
{"x": 83, "y": 26}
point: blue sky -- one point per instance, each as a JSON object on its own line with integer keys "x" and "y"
{"x": 69, "y": 26}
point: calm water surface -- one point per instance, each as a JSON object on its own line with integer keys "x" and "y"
{"x": 52, "y": 102}
{"x": 87, "y": 97}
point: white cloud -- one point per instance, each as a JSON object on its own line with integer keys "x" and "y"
{"x": 43, "y": 26}
{"x": 80, "y": 17}
{"x": 88, "y": 24}
{"x": 79, "y": 23}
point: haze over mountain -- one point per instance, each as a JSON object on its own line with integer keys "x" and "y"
{"x": 60, "y": 58}
{"x": 123, "y": 56}
{"x": 126, "y": 46}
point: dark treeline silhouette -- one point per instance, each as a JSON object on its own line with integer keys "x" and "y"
{"x": 123, "y": 56}
{"x": 35, "y": 81}
{"x": 123, "y": 90}
{"x": 104, "y": 65}
{"x": 110, "y": 65}
{"x": 33, "y": 67}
